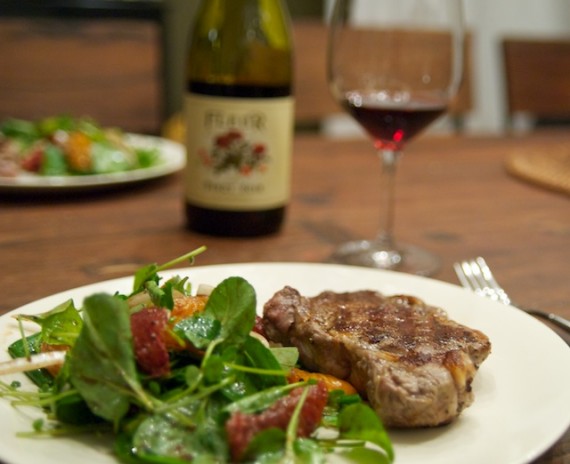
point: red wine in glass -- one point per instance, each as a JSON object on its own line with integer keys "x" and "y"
{"x": 392, "y": 123}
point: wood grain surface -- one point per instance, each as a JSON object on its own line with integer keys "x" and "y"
{"x": 108, "y": 69}
{"x": 454, "y": 197}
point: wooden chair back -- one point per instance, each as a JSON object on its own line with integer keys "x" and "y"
{"x": 313, "y": 100}
{"x": 537, "y": 77}
{"x": 110, "y": 69}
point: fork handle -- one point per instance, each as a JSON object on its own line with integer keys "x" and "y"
{"x": 555, "y": 319}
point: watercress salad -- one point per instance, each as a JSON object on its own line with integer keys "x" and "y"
{"x": 219, "y": 370}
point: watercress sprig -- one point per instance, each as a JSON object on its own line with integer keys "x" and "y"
{"x": 150, "y": 272}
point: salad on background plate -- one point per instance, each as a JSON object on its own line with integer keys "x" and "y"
{"x": 65, "y": 151}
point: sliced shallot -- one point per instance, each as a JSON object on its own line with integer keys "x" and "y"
{"x": 35, "y": 361}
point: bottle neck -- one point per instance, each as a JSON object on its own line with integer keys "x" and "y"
{"x": 241, "y": 42}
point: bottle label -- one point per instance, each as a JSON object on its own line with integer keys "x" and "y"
{"x": 238, "y": 151}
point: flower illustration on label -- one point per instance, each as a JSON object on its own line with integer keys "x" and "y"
{"x": 232, "y": 151}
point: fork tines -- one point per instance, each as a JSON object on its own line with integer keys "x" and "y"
{"x": 476, "y": 275}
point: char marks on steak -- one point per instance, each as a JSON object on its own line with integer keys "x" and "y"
{"x": 413, "y": 364}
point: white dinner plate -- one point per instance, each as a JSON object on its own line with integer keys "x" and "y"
{"x": 172, "y": 154}
{"x": 522, "y": 390}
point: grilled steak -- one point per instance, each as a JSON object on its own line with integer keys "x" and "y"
{"x": 413, "y": 364}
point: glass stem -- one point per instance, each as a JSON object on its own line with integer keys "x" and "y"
{"x": 389, "y": 159}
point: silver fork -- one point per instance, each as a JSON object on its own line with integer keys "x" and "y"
{"x": 475, "y": 275}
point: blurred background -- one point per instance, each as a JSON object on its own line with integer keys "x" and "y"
{"x": 488, "y": 21}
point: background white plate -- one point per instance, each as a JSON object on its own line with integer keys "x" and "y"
{"x": 172, "y": 153}
{"x": 522, "y": 391}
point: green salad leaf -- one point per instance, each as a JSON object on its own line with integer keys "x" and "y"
{"x": 227, "y": 319}
{"x": 60, "y": 326}
{"x": 53, "y": 163}
{"x": 106, "y": 157}
{"x": 233, "y": 304}
{"x": 20, "y": 129}
{"x": 149, "y": 273}
{"x": 102, "y": 364}
{"x": 360, "y": 422}
{"x": 188, "y": 432}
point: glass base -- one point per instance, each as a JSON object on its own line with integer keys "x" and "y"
{"x": 405, "y": 258}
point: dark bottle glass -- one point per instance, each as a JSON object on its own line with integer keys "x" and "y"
{"x": 239, "y": 118}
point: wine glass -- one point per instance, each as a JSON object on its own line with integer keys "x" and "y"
{"x": 394, "y": 66}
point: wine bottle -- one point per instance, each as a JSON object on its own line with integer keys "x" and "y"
{"x": 239, "y": 118}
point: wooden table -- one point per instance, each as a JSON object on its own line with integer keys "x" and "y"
{"x": 454, "y": 197}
